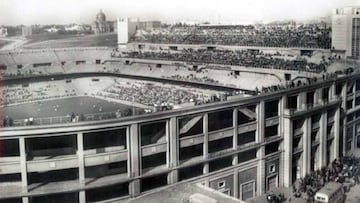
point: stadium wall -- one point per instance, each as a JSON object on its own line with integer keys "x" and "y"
{"x": 241, "y": 147}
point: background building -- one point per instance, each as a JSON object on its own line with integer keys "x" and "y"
{"x": 127, "y": 27}
{"x": 3, "y": 32}
{"x": 346, "y": 31}
{"x": 100, "y": 25}
{"x": 26, "y": 31}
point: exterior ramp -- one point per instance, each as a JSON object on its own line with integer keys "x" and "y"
{"x": 247, "y": 112}
{"x": 159, "y": 137}
{"x": 189, "y": 124}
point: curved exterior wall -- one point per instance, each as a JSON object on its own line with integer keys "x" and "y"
{"x": 287, "y": 134}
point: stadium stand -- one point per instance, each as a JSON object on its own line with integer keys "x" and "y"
{"x": 270, "y": 35}
{"x": 245, "y": 58}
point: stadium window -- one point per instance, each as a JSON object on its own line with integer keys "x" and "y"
{"x": 237, "y": 73}
{"x": 272, "y": 168}
{"x": 127, "y": 62}
{"x": 79, "y": 62}
{"x": 158, "y": 65}
{"x": 98, "y": 61}
{"x": 19, "y": 66}
{"x": 287, "y": 76}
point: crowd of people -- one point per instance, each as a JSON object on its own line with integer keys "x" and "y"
{"x": 267, "y": 35}
{"x": 245, "y": 58}
{"x": 298, "y": 83}
{"x": 154, "y": 95}
{"x": 345, "y": 170}
{"x": 20, "y": 93}
{"x": 193, "y": 78}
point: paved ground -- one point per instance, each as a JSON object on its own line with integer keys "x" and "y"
{"x": 286, "y": 191}
{"x": 353, "y": 196}
{"x": 62, "y": 107}
{"x": 180, "y": 194}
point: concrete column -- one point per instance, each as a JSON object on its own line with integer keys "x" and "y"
{"x": 353, "y": 144}
{"x": 206, "y": 145}
{"x": 332, "y": 93}
{"x": 173, "y": 146}
{"x": 25, "y": 199}
{"x": 306, "y": 146}
{"x": 235, "y": 135}
{"x": 301, "y": 100}
{"x": 318, "y": 96}
{"x": 23, "y": 168}
{"x": 80, "y": 153}
{"x": 354, "y": 93}
{"x": 281, "y": 107}
{"x": 337, "y": 129}
{"x": 236, "y": 184}
{"x": 260, "y": 131}
{"x": 134, "y": 150}
{"x": 260, "y": 134}
{"x": 288, "y": 151}
{"x": 343, "y": 106}
{"x": 323, "y": 140}
{"x": 235, "y": 157}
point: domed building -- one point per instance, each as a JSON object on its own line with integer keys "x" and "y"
{"x": 100, "y": 25}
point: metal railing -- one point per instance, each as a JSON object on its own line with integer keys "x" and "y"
{"x": 79, "y": 118}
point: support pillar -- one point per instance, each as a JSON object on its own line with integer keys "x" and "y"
{"x": 206, "y": 146}
{"x": 301, "y": 101}
{"x": 23, "y": 169}
{"x": 134, "y": 150}
{"x": 173, "y": 152}
{"x": 235, "y": 135}
{"x": 81, "y": 161}
{"x": 323, "y": 140}
{"x": 343, "y": 105}
{"x": 306, "y": 146}
{"x": 260, "y": 137}
{"x": 235, "y": 157}
{"x": 288, "y": 151}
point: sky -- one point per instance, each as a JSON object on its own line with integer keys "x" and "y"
{"x": 28, "y": 12}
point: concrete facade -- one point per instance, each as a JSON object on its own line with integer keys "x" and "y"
{"x": 254, "y": 147}
{"x": 346, "y": 31}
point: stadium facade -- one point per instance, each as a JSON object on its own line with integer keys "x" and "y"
{"x": 242, "y": 147}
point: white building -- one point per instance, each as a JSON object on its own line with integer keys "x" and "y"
{"x": 26, "y": 31}
{"x": 125, "y": 29}
{"x": 52, "y": 30}
{"x": 346, "y": 31}
{"x": 3, "y": 32}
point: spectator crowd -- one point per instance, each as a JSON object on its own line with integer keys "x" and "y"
{"x": 20, "y": 93}
{"x": 266, "y": 35}
{"x": 246, "y": 58}
{"x": 154, "y": 95}
{"x": 345, "y": 170}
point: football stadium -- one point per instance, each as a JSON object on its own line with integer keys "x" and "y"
{"x": 239, "y": 109}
